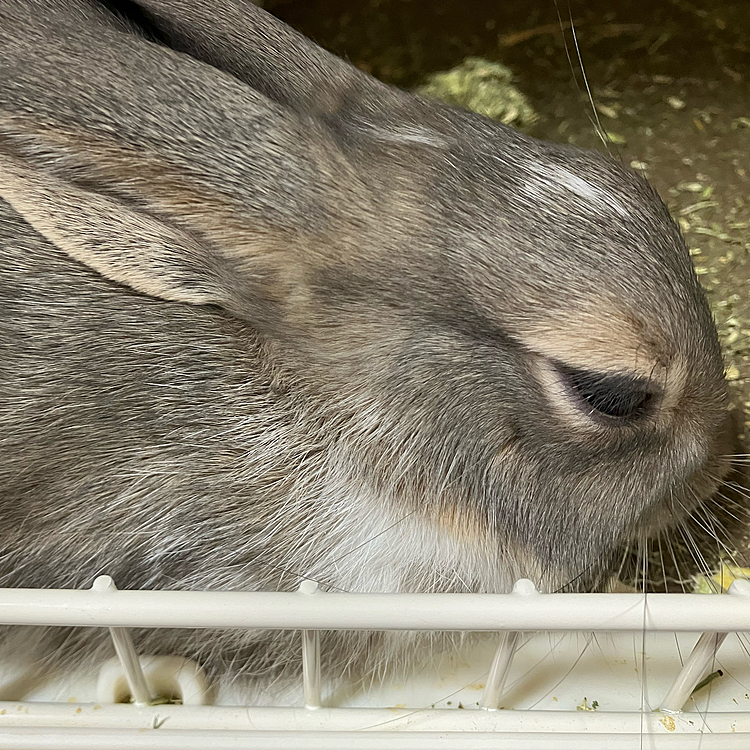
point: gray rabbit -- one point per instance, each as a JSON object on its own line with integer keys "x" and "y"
{"x": 264, "y": 317}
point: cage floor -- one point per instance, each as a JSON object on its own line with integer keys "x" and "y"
{"x": 592, "y": 677}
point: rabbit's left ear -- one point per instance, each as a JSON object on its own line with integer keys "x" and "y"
{"x": 143, "y": 221}
{"x": 165, "y": 174}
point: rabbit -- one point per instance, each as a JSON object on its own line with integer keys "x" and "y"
{"x": 266, "y": 318}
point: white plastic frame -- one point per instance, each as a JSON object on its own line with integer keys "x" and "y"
{"x": 51, "y": 725}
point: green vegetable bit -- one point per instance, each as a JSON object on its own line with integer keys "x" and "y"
{"x": 707, "y": 680}
{"x": 483, "y": 87}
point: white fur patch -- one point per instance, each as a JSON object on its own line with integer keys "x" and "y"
{"x": 559, "y": 180}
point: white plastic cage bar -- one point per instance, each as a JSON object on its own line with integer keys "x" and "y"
{"x": 126, "y": 652}
{"x": 31, "y": 725}
{"x": 43, "y": 739}
{"x": 520, "y": 610}
{"x": 493, "y": 690}
{"x": 693, "y": 670}
{"x": 311, "y": 657}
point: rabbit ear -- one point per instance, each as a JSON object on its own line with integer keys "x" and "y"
{"x": 146, "y": 223}
{"x": 165, "y": 174}
{"x": 239, "y": 38}
{"x": 122, "y": 244}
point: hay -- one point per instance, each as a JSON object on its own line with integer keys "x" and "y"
{"x": 485, "y": 88}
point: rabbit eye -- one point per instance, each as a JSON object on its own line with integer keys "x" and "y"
{"x": 617, "y": 396}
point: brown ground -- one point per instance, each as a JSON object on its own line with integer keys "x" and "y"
{"x": 670, "y": 80}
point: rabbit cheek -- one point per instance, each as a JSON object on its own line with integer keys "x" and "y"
{"x": 463, "y": 525}
{"x": 702, "y": 483}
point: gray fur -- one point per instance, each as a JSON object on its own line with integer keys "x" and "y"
{"x": 263, "y": 317}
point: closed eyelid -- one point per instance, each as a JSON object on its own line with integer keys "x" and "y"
{"x": 616, "y": 379}
{"x": 614, "y": 395}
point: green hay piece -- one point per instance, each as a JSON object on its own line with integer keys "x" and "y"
{"x": 707, "y": 681}
{"x": 584, "y": 706}
{"x": 483, "y": 87}
{"x": 720, "y": 581}
{"x": 160, "y": 700}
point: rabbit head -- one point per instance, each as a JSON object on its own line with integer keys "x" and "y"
{"x": 504, "y": 337}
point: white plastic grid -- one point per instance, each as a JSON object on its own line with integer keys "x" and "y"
{"x": 116, "y": 725}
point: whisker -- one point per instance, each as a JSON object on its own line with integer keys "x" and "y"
{"x": 711, "y": 518}
{"x": 566, "y": 675}
{"x": 680, "y": 578}
{"x": 642, "y": 545}
{"x": 661, "y": 558}
{"x": 724, "y": 509}
{"x": 695, "y": 552}
{"x": 596, "y": 124}
{"x": 600, "y": 131}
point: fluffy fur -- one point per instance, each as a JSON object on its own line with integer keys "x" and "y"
{"x": 265, "y": 317}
